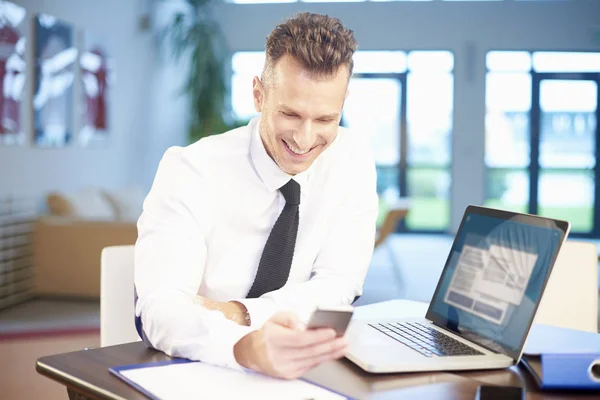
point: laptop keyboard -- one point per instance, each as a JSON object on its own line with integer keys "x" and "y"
{"x": 425, "y": 339}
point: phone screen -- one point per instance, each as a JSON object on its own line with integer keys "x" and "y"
{"x": 486, "y": 392}
{"x": 335, "y": 319}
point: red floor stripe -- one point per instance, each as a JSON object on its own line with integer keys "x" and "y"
{"x": 30, "y": 334}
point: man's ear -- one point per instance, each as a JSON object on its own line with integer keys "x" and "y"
{"x": 258, "y": 93}
{"x": 344, "y": 103}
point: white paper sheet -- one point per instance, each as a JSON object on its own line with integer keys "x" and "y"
{"x": 197, "y": 380}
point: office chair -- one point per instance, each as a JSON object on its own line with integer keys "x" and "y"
{"x": 395, "y": 213}
{"x": 570, "y": 299}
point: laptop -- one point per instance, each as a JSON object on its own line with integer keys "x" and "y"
{"x": 483, "y": 305}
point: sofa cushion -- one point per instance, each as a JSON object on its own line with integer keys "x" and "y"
{"x": 88, "y": 203}
{"x": 59, "y": 205}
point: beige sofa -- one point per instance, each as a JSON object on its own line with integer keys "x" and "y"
{"x": 67, "y": 243}
{"x": 67, "y": 253}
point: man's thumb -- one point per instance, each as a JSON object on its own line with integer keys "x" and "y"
{"x": 289, "y": 320}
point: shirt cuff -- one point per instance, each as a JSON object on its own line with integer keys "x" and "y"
{"x": 260, "y": 310}
{"x": 222, "y": 338}
{"x": 235, "y": 334}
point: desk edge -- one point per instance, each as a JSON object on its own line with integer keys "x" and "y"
{"x": 71, "y": 381}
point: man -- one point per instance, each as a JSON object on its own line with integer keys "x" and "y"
{"x": 243, "y": 234}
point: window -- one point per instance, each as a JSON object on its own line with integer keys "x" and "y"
{"x": 245, "y": 65}
{"x": 541, "y": 134}
{"x": 429, "y": 102}
{"x": 507, "y": 140}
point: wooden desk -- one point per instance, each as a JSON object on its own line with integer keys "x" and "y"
{"x": 85, "y": 373}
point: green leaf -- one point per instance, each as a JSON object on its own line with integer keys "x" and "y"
{"x": 198, "y": 40}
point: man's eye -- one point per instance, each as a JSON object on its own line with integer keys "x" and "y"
{"x": 288, "y": 114}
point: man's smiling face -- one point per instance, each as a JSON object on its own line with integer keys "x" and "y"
{"x": 300, "y": 113}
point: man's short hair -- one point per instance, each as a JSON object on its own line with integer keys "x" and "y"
{"x": 320, "y": 44}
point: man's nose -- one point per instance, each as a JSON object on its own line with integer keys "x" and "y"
{"x": 304, "y": 136}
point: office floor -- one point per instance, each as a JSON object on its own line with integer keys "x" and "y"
{"x": 408, "y": 267}
{"x": 49, "y": 315}
{"x": 18, "y": 378}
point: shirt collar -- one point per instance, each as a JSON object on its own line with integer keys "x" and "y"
{"x": 268, "y": 170}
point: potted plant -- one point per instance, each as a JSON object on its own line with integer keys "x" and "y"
{"x": 196, "y": 38}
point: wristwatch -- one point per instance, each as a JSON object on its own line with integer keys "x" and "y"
{"x": 247, "y": 317}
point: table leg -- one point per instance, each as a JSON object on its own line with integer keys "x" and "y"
{"x": 75, "y": 395}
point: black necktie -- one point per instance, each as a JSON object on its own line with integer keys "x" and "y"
{"x": 276, "y": 260}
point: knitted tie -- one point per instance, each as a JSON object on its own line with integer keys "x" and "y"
{"x": 276, "y": 260}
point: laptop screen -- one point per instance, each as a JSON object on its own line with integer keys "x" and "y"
{"x": 494, "y": 277}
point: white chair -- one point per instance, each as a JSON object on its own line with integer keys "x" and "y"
{"x": 570, "y": 299}
{"x": 116, "y": 296}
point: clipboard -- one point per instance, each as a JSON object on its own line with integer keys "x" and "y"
{"x": 117, "y": 371}
{"x": 182, "y": 378}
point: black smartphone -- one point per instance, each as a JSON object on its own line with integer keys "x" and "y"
{"x": 489, "y": 392}
{"x": 337, "y": 318}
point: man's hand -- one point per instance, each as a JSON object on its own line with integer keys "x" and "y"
{"x": 284, "y": 348}
{"x": 232, "y": 310}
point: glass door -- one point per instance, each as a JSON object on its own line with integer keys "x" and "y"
{"x": 565, "y": 136}
{"x": 375, "y": 107}
{"x": 404, "y": 102}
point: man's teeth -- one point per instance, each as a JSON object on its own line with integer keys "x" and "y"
{"x": 297, "y": 151}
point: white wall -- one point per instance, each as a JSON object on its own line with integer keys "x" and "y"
{"x": 34, "y": 171}
{"x": 468, "y": 29}
{"x": 167, "y": 111}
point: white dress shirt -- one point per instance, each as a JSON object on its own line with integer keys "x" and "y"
{"x": 205, "y": 224}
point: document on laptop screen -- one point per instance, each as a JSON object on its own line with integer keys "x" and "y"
{"x": 198, "y": 380}
{"x": 488, "y": 279}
